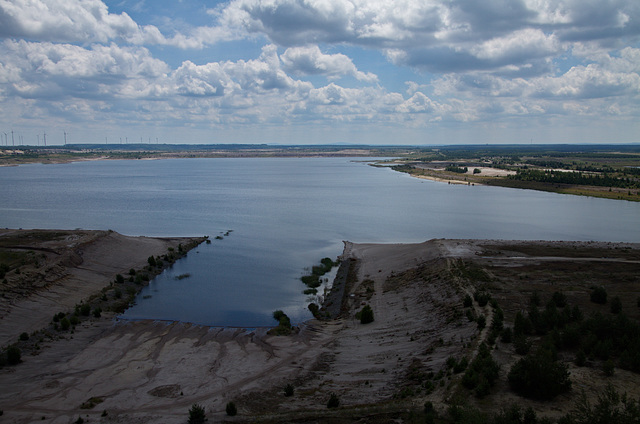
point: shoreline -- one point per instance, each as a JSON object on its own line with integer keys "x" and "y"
{"x": 152, "y": 371}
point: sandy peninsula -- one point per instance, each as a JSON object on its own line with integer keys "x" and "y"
{"x": 149, "y": 372}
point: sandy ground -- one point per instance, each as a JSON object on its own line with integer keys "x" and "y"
{"x": 150, "y": 372}
{"x": 77, "y": 266}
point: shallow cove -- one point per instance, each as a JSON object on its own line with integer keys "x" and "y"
{"x": 286, "y": 214}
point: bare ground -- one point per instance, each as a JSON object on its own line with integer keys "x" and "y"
{"x": 147, "y": 372}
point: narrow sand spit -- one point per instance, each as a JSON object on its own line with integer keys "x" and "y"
{"x": 150, "y": 372}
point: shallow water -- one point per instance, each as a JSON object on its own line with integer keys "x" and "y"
{"x": 286, "y": 214}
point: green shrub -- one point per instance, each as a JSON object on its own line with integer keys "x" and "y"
{"x": 13, "y": 355}
{"x": 599, "y": 295}
{"x": 85, "y": 309}
{"x": 152, "y": 261}
{"x": 65, "y": 324}
{"x": 24, "y": 336}
{"x": 610, "y": 408}
{"x": 120, "y": 279}
{"x": 231, "y": 409}
{"x": 97, "y": 312}
{"x": 74, "y": 320}
{"x": 522, "y": 325}
{"x": 482, "y": 297}
{"x": 521, "y": 344}
{"x": 197, "y": 414}
{"x": 284, "y": 324}
{"x": 315, "y": 310}
{"x": 608, "y": 367}
{"x": 482, "y": 373}
{"x": 507, "y": 335}
{"x": 467, "y": 301}
{"x": 538, "y": 376}
{"x": 481, "y": 321}
{"x": 559, "y": 299}
{"x": 616, "y": 305}
{"x": 365, "y": 315}
{"x": 288, "y": 390}
{"x": 334, "y": 401}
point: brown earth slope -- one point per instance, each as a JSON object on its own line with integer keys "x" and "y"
{"x": 153, "y": 372}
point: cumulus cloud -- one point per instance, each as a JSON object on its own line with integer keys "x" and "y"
{"x": 439, "y": 36}
{"x": 311, "y": 61}
{"x": 89, "y": 21}
{"x": 48, "y": 69}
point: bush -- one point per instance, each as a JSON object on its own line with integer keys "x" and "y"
{"x": 560, "y": 299}
{"x": 288, "y": 390}
{"x": 482, "y": 373}
{"x": 538, "y": 376}
{"x": 365, "y": 315}
{"x": 467, "y": 301}
{"x": 24, "y": 336}
{"x": 608, "y": 367}
{"x": 65, "y": 324}
{"x": 334, "y": 401}
{"x": 482, "y": 297}
{"x": 97, "y": 312}
{"x": 521, "y": 344}
{"x": 13, "y": 355}
{"x": 616, "y": 305}
{"x": 507, "y": 335}
{"x": 599, "y": 295}
{"x": 120, "y": 278}
{"x": 85, "y": 309}
{"x": 231, "y": 409}
{"x": 481, "y": 321}
{"x": 197, "y": 414}
{"x": 610, "y": 408}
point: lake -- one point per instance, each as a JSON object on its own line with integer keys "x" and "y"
{"x": 285, "y": 215}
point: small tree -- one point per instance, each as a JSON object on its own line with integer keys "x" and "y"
{"x": 365, "y": 315}
{"x": 334, "y": 401}
{"x": 616, "y": 305}
{"x": 288, "y": 390}
{"x": 599, "y": 295}
{"x": 197, "y": 414}
{"x": 231, "y": 409}
{"x": 65, "y": 324}
{"x": 13, "y": 355}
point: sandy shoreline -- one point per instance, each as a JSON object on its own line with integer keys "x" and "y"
{"x": 144, "y": 372}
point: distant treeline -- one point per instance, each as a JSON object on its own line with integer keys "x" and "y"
{"x": 576, "y": 178}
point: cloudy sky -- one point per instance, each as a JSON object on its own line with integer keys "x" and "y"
{"x": 413, "y": 72}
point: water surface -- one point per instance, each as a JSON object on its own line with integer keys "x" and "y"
{"x": 286, "y": 214}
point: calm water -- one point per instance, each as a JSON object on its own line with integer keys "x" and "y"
{"x": 285, "y": 214}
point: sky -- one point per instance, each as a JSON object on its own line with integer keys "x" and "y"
{"x": 379, "y": 72}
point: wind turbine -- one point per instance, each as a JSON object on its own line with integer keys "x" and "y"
{"x": 12, "y": 141}
{"x": 65, "y": 138}
{"x": 44, "y": 136}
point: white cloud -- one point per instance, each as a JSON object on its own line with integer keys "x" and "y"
{"x": 311, "y": 61}
{"x": 443, "y": 36}
{"x": 89, "y": 21}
